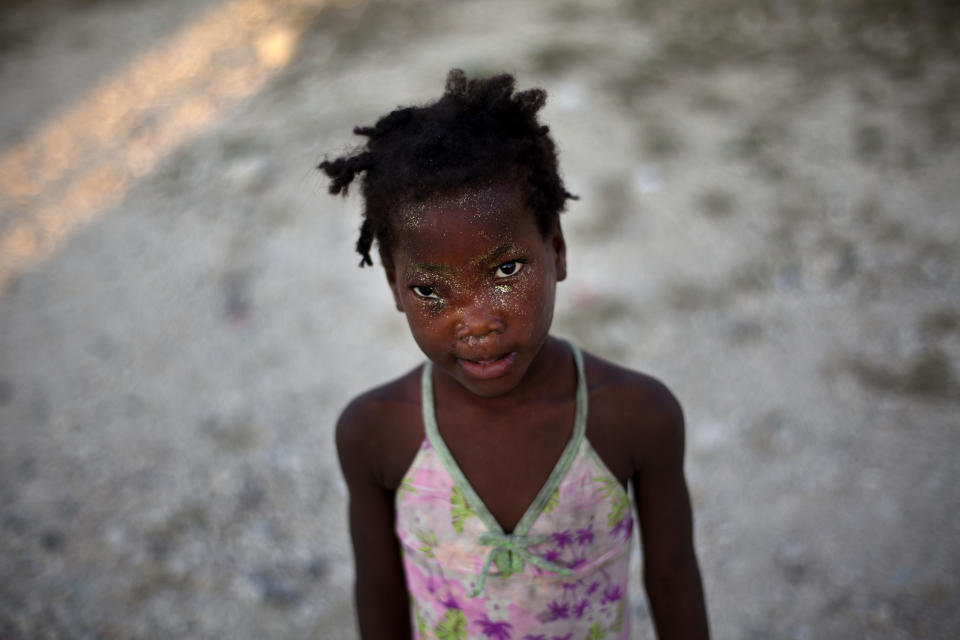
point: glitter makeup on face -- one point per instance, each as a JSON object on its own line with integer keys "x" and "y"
{"x": 452, "y": 248}
{"x": 477, "y": 280}
{"x": 481, "y": 201}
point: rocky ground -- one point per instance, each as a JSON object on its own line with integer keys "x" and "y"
{"x": 768, "y": 221}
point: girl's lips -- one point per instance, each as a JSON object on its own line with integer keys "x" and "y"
{"x": 486, "y": 369}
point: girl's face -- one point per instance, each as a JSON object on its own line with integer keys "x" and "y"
{"x": 476, "y": 280}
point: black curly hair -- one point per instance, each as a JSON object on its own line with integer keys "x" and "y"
{"x": 479, "y": 132}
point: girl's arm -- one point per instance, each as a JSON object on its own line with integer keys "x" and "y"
{"x": 671, "y": 575}
{"x": 383, "y": 609}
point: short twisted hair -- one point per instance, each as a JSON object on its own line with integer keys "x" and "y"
{"x": 479, "y": 132}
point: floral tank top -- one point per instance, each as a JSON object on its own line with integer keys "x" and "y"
{"x": 561, "y": 575}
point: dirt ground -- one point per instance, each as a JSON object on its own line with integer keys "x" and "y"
{"x": 768, "y": 222}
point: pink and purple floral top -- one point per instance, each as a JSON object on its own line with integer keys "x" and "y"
{"x": 562, "y": 574}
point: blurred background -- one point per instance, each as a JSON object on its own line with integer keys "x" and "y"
{"x": 768, "y": 222}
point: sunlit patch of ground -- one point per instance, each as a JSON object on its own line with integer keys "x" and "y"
{"x": 83, "y": 161}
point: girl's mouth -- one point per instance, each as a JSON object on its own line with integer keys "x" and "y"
{"x": 490, "y": 368}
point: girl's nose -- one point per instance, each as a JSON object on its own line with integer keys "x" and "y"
{"x": 479, "y": 320}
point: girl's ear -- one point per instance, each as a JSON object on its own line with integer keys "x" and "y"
{"x": 560, "y": 253}
{"x": 392, "y": 281}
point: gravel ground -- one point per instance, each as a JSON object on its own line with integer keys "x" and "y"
{"x": 768, "y": 222}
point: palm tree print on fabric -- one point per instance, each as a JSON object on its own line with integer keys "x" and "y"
{"x": 557, "y": 611}
{"x": 617, "y": 625}
{"x": 421, "y": 623}
{"x": 585, "y": 535}
{"x": 596, "y": 632}
{"x": 587, "y": 598}
{"x": 495, "y": 630}
{"x": 619, "y": 503}
{"x": 552, "y": 501}
{"x": 459, "y": 509}
{"x": 428, "y": 542}
{"x": 453, "y": 626}
{"x": 625, "y": 526}
{"x": 562, "y": 539}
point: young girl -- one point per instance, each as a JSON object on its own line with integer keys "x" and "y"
{"x": 488, "y": 486}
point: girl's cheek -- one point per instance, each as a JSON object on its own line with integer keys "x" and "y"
{"x": 438, "y": 309}
{"x": 440, "y": 314}
{"x": 518, "y": 298}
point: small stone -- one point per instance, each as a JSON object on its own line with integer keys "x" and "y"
{"x": 52, "y": 540}
{"x": 317, "y": 568}
{"x": 792, "y": 561}
{"x": 251, "y": 495}
{"x": 276, "y": 588}
{"x": 880, "y": 615}
{"x": 159, "y": 548}
{"x": 27, "y": 468}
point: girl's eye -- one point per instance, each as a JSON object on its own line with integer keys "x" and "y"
{"x": 507, "y": 269}
{"x": 422, "y": 291}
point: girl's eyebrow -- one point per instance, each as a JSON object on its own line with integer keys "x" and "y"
{"x": 498, "y": 252}
{"x": 486, "y": 258}
{"x": 438, "y": 269}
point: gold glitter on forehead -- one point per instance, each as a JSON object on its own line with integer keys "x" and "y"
{"x": 480, "y": 201}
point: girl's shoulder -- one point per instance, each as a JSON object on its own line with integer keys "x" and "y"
{"x": 381, "y": 429}
{"x": 633, "y": 417}
{"x": 617, "y": 387}
{"x": 371, "y": 406}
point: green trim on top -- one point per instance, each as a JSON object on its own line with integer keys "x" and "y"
{"x": 566, "y": 458}
{"x": 433, "y": 435}
{"x": 597, "y": 460}
{"x": 553, "y": 480}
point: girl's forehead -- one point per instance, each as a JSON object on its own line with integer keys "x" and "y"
{"x": 464, "y": 227}
{"x": 484, "y": 212}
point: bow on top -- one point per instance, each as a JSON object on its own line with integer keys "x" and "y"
{"x": 509, "y": 553}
